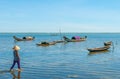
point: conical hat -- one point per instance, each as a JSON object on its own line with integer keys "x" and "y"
{"x": 16, "y": 47}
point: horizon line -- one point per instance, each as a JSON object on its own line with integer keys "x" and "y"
{"x": 58, "y": 32}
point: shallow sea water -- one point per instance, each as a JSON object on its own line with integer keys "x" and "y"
{"x": 63, "y": 60}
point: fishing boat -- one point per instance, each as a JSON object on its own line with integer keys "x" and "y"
{"x": 100, "y": 52}
{"x": 45, "y": 43}
{"x": 28, "y": 38}
{"x": 59, "y": 41}
{"x": 81, "y": 39}
{"x": 98, "y": 49}
{"x": 74, "y": 40}
{"x": 108, "y": 43}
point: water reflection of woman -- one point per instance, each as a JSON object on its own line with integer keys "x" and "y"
{"x": 16, "y": 75}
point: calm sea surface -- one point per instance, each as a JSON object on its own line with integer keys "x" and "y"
{"x": 63, "y": 60}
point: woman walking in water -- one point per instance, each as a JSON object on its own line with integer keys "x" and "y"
{"x": 16, "y": 58}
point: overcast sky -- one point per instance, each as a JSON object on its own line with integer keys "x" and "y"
{"x": 55, "y": 15}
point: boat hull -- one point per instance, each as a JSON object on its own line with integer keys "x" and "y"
{"x": 99, "y": 49}
{"x": 47, "y": 44}
{"x": 20, "y": 39}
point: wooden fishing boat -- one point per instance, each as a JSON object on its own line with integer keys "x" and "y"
{"x": 98, "y": 49}
{"x": 24, "y": 38}
{"x": 100, "y": 52}
{"x": 74, "y": 40}
{"x": 108, "y": 43}
{"x": 59, "y": 41}
{"x": 81, "y": 39}
{"x": 45, "y": 43}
